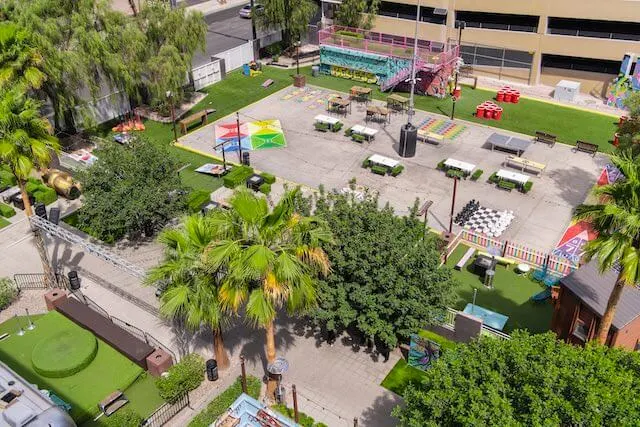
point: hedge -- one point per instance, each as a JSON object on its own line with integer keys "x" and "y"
{"x": 196, "y": 199}
{"x": 303, "y": 419}
{"x": 265, "y": 188}
{"x": 268, "y": 178}
{"x": 357, "y": 137}
{"x": 237, "y": 176}
{"x": 527, "y": 187}
{"x": 440, "y": 165}
{"x": 366, "y": 163}
{"x": 494, "y": 179}
{"x": 380, "y": 170}
{"x": 125, "y": 417}
{"x": 7, "y": 179}
{"x": 477, "y": 174}
{"x": 8, "y": 292}
{"x": 6, "y": 211}
{"x": 397, "y": 170}
{"x": 350, "y": 34}
{"x": 45, "y": 195}
{"x": 221, "y": 403}
{"x": 183, "y": 377}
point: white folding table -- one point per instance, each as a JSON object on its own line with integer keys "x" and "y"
{"x": 384, "y": 161}
{"x": 364, "y": 131}
{"x": 457, "y": 164}
{"x": 512, "y": 176}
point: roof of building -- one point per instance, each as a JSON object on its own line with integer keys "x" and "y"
{"x": 593, "y": 288}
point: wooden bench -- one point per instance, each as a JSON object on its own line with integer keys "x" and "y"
{"x": 545, "y": 137}
{"x": 523, "y": 163}
{"x": 267, "y": 83}
{"x": 113, "y": 402}
{"x": 586, "y": 147}
{"x": 200, "y": 116}
{"x": 466, "y": 257}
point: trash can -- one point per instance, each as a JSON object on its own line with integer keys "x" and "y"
{"x": 212, "y": 370}
{"x": 488, "y": 278}
{"x": 315, "y": 70}
{"x": 74, "y": 280}
{"x": 245, "y": 158}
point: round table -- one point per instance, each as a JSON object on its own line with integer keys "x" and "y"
{"x": 523, "y": 268}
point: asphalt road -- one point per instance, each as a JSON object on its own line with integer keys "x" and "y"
{"x": 226, "y": 30}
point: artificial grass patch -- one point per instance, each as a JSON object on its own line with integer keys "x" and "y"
{"x": 221, "y": 403}
{"x": 3, "y": 222}
{"x": 401, "y": 376}
{"x": 511, "y": 295}
{"x": 64, "y": 353}
{"x": 109, "y": 371}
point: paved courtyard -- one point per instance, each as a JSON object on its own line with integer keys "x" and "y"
{"x": 313, "y": 158}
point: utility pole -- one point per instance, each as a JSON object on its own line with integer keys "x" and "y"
{"x": 296, "y": 416}
{"x": 453, "y": 203}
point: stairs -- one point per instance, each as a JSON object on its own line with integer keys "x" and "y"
{"x": 401, "y": 75}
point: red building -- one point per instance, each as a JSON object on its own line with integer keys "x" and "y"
{"x": 581, "y": 304}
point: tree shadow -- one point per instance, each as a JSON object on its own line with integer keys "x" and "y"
{"x": 379, "y": 414}
{"x": 573, "y": 183}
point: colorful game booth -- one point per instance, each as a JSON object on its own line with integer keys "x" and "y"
{"x": 384, "y": 59}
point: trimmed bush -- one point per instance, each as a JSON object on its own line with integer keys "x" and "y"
{"x": 125, "y": 417}
{"x": 197, "y": 199}
{"x": 366, "y": 163}
{"x": 527, "y": 187}
{"x": 357, "y": 137}
{"x": 350, "y": 34}
{"x": 46, "y": 195}
{"x": 337, "y": 127}
{"x": 322, "y": 127}
{"x": 265, "y": 188}
{"x": 507, "y": 185}
{"x": 493, "y": 179}
{"x": 347, "y": 132}
{"x": 8, "y": 292}
{"x": 268, "y": 178}
{"x": 397, "y": 170}
{"x": 221, "y": 403}
{"x": 476, "y": 174}
{"x": 6, "y": 211}
{"x": 379, "y": 170}
{"x": 7, "y": 179}
{"x": 64, "y": 353}
{"x": 454, "y": 173}
{"x": 183, "y": 377}
{"x": 237, "y": 176}
{"x": 33, "y": 185}
{"x": 440, "y": 166}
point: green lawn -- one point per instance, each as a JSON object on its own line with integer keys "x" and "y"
{"x": 510, "y": 295}
{"x": 109, "y": 370}
{"x": 3, "y": 222}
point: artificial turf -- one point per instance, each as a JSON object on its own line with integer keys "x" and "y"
{"x": 511, "y": 295}
{"x": 109, "y": 371}
{"x": 3, "y": 222}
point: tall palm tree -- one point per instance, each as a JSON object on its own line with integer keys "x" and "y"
{"x": 20, "y": 61}
{"x": 617, "y": 220}
{"x": 25, "y": 139}
{"x": 192, "y": 294}
{"x": 269, "y": 260}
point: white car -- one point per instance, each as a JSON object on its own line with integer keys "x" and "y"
{"x": 245, "y": 11}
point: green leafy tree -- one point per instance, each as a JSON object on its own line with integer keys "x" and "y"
{"x": 617, "y": 220}
{"x": 630, "y": 130}
{"x": 130, "y": 191}
{"x": 357, "y": 13}
{"x": 290, "y": 16}
{"x": 269, "y": 260}
{"x": 385, "y": 279}
{"x": 192, "y": 292}
{"x": 530, "y": 380}
{"x": 20, "y": 61}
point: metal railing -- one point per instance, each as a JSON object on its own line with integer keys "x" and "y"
{"x": 593, "y": 34}
{"x": 486, "y": 330}
{"x": 30, "y": 281}
{"x": 167, "y": 411}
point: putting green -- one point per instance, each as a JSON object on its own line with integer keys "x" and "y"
{"x": 64, "y": 353}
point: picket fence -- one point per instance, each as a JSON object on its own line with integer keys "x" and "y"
{"x": 539, "y": 259}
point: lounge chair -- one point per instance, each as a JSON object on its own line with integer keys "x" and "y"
{"x": 542, "y": 295}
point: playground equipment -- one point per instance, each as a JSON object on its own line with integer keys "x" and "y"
{"x": 62, "y": 182}
{"x": 373, "y": 57}
{"x": 489, "y": 110}
{"x": 508, "y": 94}
{"x": 252, "y": 69}
{"x": 627, "y": 82}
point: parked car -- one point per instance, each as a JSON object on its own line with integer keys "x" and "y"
{"x": 245, "y": 11}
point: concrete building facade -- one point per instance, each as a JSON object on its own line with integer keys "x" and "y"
{"x": 532, "y": 42}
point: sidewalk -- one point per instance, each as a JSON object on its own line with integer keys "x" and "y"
{"x": 212, "y": 6}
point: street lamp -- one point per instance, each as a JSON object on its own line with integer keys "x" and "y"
{"x": 408, "y": 132}
{"x": 173, "y": 115}
{"x": 460, "y": 25}
{"x": 239, "y": 139}
{"x": 453, "y": 203}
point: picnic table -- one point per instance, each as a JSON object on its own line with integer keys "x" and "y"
{"x": 512, "y": 176}
{"x": 375, "y": 112}
{"x": 523, "y": 164}
{"x": 457, "y": 164}
{"x": 383, "y": 161}
{"x": 200, "y": 116}
{"x": 321, "y": 118}
{"x": 362, "y": 94}
{"x": 509, "y": 143}
{"x": 364, "y": 131}
{"x": 397, "y": 102}
{"x": 339, "y": 105}
{"x": 490, "y": 318}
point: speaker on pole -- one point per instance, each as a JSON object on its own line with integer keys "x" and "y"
{"x": 408, "y": 140}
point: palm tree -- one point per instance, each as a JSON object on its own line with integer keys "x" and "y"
{"x": 20, "y": 61}
{"x": 269, "y": 260}
{"x": 25, "y": 139}
{"x": 192, "y": 294}
{"x": 617, "y": 220}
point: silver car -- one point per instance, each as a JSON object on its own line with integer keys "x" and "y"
{"x": 245, "y": 11}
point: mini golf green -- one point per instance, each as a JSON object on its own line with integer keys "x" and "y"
{"x": 64, "y": 353}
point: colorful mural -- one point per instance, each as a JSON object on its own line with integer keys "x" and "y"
{"x": 422, "y": 352}
{"x": 626, "y": 83}
{"x": 257, "y": 135}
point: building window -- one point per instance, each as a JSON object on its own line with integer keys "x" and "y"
{"x": 427, "y": 15}
{"x": 495, "y": 57}
{"x": 580, "y": 330}
{"x": 499, "y": 21}
{"x": 581, "y": 64}
{"x": 397, "y": 10}
{"x": 593, "y": 28}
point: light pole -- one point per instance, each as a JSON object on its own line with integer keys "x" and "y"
{"x": 239, "y": 140}
{"x": 173, "y": 115}
{"x": 460, "y": 25}
{"x": 408, "y": 132}
{"x": 453, "y": 203}
{"x": 298, "y": 57}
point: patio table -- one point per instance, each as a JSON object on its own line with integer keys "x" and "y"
{"x": 361, "y": 93}
{"x": 374, "y": 111}
{"x": 512, "y": 176}
{"x": 339, "y": 105}
{"x": 364, "y": 131}
{"x": 509, "y": 143}
{"x": 384, "y": 161}
{"x": 457, "y": 164}
{"x": 397, "y": 102}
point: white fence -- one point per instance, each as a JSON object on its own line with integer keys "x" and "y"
{"x": 236, "y": 57}
{"x": 207, "y": 74}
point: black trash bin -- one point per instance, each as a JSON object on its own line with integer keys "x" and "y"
{"x": 212, "y": 370}
{"x": 245, "y": 158}
{"x": 40, "y": 210}
{"x": 74, "y": 280}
